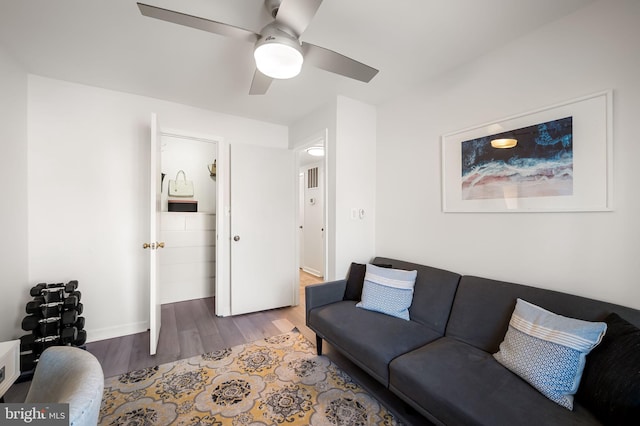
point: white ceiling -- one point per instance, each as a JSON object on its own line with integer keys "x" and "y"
{"x": 109, "y": 44}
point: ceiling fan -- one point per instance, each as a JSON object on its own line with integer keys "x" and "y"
{"x": 278, "y": 51}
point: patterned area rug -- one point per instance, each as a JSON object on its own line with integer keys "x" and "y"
{"x": 278, "y": 380}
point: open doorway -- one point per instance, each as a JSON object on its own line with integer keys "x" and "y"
{"x": 188, "y": 220}
{"x": 311, "y": 222}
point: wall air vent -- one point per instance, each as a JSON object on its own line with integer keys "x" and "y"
{"x": 312, "y": 178}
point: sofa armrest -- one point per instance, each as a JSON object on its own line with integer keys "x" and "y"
{"x": 323, "y": 294}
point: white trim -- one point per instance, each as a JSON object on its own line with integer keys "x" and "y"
{"x": 94, "y": 335}
{"x": 223, "y": 232}
{"x": 181, "y": 134}
{"x": 222, "y": 284}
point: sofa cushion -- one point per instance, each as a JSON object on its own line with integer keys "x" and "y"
{"x": 611, "y": 381}
{"x": 433, "y": 293}
{"x": 355, "y": 280}
{"x": 388, "y": 291}
{"x": 370, "y": 339}
{"x": 451, "y": 382}
{"x": 482, "y": 309}
{"x": 548, "y": 350}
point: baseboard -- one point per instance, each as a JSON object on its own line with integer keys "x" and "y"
{"x": 96, "y": 334}
{"x": 312, "y": 272}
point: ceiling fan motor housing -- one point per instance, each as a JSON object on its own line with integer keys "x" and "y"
{"x": 278, "y": 54}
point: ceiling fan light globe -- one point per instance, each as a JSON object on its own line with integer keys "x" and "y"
{"x": 278, "y": 60}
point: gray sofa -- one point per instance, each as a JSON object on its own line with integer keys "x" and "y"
{"x": 440, "y": 362}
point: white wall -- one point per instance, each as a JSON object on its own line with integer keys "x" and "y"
{"x": 192, "y": 157}
{"x": 87, "y": 186}
{"x": 14, "y": 283}
{"x": 351, "y": 162}
{"x": 355, "y": 183}
{"x": 590, "y": 254}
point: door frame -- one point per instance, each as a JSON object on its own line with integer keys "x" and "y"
{"x": 223, "y": 231}
{"x": 299, "y": 148}
{"x": 221, "y": 287}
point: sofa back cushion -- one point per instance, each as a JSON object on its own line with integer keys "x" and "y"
{"x": 433, "y": 293}
{"x": 482, "y": 309}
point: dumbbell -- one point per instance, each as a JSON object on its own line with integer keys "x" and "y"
{"x": 79, "y": 324}
{"x": 46, "y": 329}
{"x": 39, "y": 347}
{"x": 38, "y": 305}
{"x": 81, "y": 339}
{"x": 77, "y": 294}
{"x": 47, "y": 288}
{"x": 31, "y": 322}
{"x": 82, "y": 333}
{"x": 79, "y": 308}
{"x": 50, "y": 296}
{"x": 28, "y": 361}
{"x": 67, "y": 335}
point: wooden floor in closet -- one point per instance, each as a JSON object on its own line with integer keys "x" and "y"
{"x": 191, "y": 328}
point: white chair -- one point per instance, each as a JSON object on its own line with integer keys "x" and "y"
{"x": 66, "y": 374}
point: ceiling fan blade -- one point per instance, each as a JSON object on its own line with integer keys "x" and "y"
{"x": 297, "y": 14}
{"x": 197, "y": 22}
{"x": 260, "y": 84}
{"x": 329, "y": 60}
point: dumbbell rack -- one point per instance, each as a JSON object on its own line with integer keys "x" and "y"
{"x": 53, "y": 320}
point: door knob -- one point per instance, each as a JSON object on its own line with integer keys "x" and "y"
{"x": 153, "y": 246}
{"x": 236, "y": 238}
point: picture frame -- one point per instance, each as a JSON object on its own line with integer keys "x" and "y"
{"x": 562, "y": 161}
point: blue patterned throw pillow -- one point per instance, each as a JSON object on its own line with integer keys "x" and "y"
{"x": 548, "y": 350}
{"x": 389, "y": 291}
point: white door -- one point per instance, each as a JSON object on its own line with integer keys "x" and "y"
{"x": 154, "y": 233}
{"x": 262, "y": 228}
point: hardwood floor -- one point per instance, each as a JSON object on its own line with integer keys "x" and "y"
{"x": 307, "y": 278}
{"x": 191, "y": 328}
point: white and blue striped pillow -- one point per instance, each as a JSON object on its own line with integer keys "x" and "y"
{"x": 548, "y": 350}
{"x": 389, "y": 291}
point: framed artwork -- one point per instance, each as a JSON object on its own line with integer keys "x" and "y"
{"x": 554, "y": 159}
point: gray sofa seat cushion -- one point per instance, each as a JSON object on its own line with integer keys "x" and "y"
{"x": 370, "y": 339}
{"x": 454, "y": 383}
